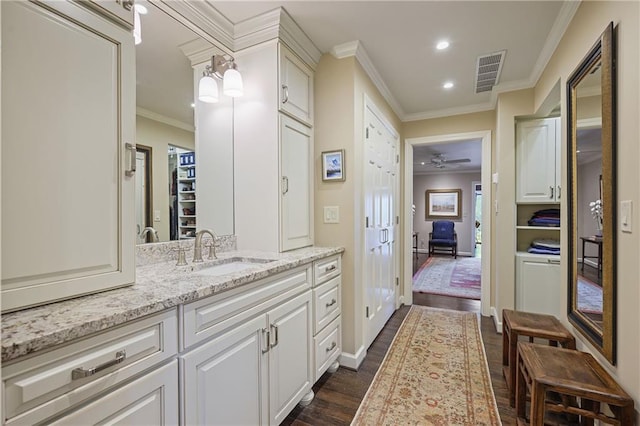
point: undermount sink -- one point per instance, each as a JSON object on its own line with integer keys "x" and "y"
{"x": 229, "y": 266}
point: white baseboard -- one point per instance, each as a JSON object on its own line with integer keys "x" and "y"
{"x": 352, "y": 361}
{"x": 497, "y": 320}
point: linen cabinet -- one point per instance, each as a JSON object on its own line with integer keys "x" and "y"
{"x": 68, "y": 152}
{"x": 273, "y": 150}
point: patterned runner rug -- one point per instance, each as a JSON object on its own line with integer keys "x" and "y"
{"x": 589, "y": 296}
{"x": 435, "y": 373}
{"x": 450, "y": 277}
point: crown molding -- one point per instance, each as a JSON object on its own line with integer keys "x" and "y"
{"x": 567, "y": 11}
{"x": 143, "y": 112}
{"x": 203, "y": 19}
{"x": 198, "y": 51}
{"x": 355, "y": 48}
{"x": 276, "y": 24}
{"x": 467, "y": 109}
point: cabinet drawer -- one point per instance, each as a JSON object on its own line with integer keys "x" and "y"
{"x": 328, "y": 346}
{"x": 212, "y": 315}
{"x": 326, "y": 303}
{"x": 325, "y": 269}
{"x": 61, "y": 378}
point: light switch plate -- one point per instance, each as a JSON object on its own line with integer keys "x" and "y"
{"x": 331, "y": 214}
{"x": 156, "y": 215}
{"x": 626, "y": 215}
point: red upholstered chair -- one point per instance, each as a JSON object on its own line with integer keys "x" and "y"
{"x": 443, "y": 237}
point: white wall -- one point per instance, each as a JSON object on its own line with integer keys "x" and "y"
{"x": 464, "y": 226}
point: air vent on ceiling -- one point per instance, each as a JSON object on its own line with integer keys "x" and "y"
{"x": 488, "y": 69}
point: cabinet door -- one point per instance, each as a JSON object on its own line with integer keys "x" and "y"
{"x": 150, "y": 400}
{"x": 68, "y": 109}
{"x": 538, "y": 284}
{"x": 296, "y": 87}
{"x": 296, "y": 173}
{"x": 290, "y": 355}
{"x": 536, "y": 161}
{"x": 225, "y": 380}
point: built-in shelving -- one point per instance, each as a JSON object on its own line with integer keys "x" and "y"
{"x": 187, "y": 216}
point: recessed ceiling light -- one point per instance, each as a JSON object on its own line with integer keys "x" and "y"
{"x": 448, "y": 85}
{"x": 422, "y": 163}
{"x": 442, "y": 44}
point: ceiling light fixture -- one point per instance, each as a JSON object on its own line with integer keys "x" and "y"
{"x": 448, "y": 85}
{"x": 442, "y": 44}
{"x": 223, "y": 69}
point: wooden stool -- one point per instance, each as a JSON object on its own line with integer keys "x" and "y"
{"x": 546, "y": 371}
{"x": 516, "y": 323}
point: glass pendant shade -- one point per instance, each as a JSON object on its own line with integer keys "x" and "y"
{"x": 232, "y": 83}
{"x": 208, "y": 90}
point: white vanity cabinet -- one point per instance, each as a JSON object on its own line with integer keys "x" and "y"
{"x": 256, "y": 362}
{"x": 273, "y": 155}
{"x": 538, "y": 163}
{"x": 327, "y": 308}
{"x": 61, "y": 382}
{"x": 67, "y": 152}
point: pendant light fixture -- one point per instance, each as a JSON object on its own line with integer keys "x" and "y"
{"x": 223, "y": 69}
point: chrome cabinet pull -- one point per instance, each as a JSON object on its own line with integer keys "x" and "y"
{"x": 131, "y": 147}
{"x": 127, "y": 4}
{"x": 330, "y": 304}
{"x": 267, "y": 339}
{"x": 285, "y": 93}
{"x": 285, "y": 185}
{"x": 558, "y": 192}
{"x": 79, "y": 373}
{"x": 275, "y": 332}
{"x": 551, "y": 188}
{"x": 330, "y": 268}
{"x": 553, "y": 261}
{"x": 332, "y": 347}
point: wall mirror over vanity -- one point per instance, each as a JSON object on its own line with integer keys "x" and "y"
{"x": 591, "y": 94}
{"x": 168, "y": 198}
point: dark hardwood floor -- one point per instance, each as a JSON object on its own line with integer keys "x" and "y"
{"x": 338, "y": 395}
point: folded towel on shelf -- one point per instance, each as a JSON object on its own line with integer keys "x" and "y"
{"x": 547, "y": 212}
{"x": 544, "y": 221}
{"x": 538, "y": 250}
{"x": 548, "y": 244}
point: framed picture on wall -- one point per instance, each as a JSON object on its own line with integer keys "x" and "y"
{"x": 333, "y": 165}
{"x": 443, "y": 204}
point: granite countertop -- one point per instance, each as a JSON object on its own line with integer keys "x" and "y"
{"x": 158, "y": 286}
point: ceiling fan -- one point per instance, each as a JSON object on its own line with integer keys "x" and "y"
{"x": 439, "y": 161}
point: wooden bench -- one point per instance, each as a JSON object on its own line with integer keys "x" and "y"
{"x": 533, "y": 326}
{"x": 568, "y": 385}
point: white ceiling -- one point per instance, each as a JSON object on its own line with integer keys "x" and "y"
{"x": 469, "y": 149}
{"x": 400, "y": 37}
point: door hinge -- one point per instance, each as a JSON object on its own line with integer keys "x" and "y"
{"x": 397, "y": 220}
{"x": 397, "y": 158}
{"x": 367, "y": 313}
{"x": 397, "y": 281}
{"x": 367, "y": 133}
{"x": 366, "y": 222}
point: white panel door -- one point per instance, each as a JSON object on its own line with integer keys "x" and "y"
{"x": 536, "y": 161}
{"x": 225, "y": 380}
{"x": 381, "y": 193}
{"x": 296, "y": 172}
{"x": 150, "y": 400}
{"x": 66, "y": 198}
{"x": 290, "y": 355}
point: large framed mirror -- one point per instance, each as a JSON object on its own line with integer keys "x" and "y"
{"x": 591, "y": 157}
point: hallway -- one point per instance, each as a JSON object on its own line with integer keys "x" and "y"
{"x": 338, "y": 395}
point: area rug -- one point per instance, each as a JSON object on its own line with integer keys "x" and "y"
{"x": 589, "y": 296}
{"x": 435, "y": 373}
{"x": 450, "y": 277}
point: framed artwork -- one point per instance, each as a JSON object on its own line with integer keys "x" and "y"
{"x": 333, "y": 165}
{"x": 443, "y": 204}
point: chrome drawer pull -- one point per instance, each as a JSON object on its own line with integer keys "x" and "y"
{"x": 330, "y": 268}
{"x": 333, "y": 302}
{"x": 79, "y": 373}
{"x": 332, "y": 347}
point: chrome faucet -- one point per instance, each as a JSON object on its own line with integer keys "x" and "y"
{"x": 152, "y": 231}
{"x": 197, "y": 246}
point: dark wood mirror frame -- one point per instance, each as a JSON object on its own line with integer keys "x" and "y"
{"x": 602, "y": 336}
